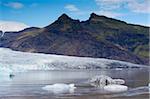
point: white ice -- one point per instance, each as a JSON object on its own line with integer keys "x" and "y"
{"x": 16, "y": 61}
{"x": 115, "y": 88}
{"x": 103, "y": 80}
{"x": 60, "y": 88}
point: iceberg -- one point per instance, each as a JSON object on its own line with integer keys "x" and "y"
{"x": 115, "y": 88}
{"x": 119, "y": 81}
{"x": 103, "y": 80}
{"x": 60, "y": 88}
{"x": 108, "y": 84}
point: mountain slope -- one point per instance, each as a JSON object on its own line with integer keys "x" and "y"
{"x": 97, "y": 37}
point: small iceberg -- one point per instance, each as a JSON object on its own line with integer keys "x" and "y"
{"x": 103, "y": 80}
{"x": 108, "y": 84}
{"x": 118, "y": 81}
{"x": 60, "y": 88}
{"x": 115, "y": 88}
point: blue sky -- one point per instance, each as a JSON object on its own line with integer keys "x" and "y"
{"x": 43, "y": 12}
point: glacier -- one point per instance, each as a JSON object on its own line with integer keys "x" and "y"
{"x": 16, "y": 61}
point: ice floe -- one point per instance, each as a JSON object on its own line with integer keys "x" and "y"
{"x": 103, "y": 80}
{"x": 60, "y": 88}
{"x": 115, "y": 88}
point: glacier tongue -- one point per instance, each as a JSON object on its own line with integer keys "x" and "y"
{"x": 15, "y": 61}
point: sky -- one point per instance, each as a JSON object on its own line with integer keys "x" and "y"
{"x": 41, "y": 13}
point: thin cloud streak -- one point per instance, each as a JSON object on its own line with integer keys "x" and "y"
{"x": 15, "y": 5}
{"x": 135, "y": 6}
{"x": 71, "y": 8}
{"x": 109, "y": 14}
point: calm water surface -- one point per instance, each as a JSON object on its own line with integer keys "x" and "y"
{"x": 28, "y": 85}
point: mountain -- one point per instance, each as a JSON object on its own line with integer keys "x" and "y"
{"x": 98, "y": 37}
{"x": 10, "y": 26}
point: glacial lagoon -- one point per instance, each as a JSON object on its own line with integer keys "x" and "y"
{"x": 28, "y": 84}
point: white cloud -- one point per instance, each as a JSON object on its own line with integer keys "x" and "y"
{"x": 109, "y": 13}
{"x": 110, "y": 0}
{"x": 15, "y": 5}
{"x": 110, "y": 4}
{"x": 71, "y": 8}
{"x": 136, "y": 6}
{"x": 12, "y": 26}
{"x": 139, "y": 7}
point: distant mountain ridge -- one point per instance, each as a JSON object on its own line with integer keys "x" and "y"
{"x": 99, "y": 37}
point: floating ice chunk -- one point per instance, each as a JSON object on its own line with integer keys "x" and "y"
{"x": 119, "y": 69}
{"x": 115, "y": 88}
{"x": 118, "y": 81}
{"x": 103, "y": 80}
{"x": 60, "y": 88}
{"x": 109, "y": 84}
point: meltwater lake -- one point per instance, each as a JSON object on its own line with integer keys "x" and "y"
{"x": 28, "y": 85}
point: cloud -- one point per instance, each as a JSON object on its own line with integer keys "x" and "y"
{"x": 12, "y": 26}
{"x": 114, "y": 1}
{"x": 136, "y": 6}
{"x": 109, "y": 13}
{"x": 108, "y": 7}
{"x": 71, "y": 8}
{"x": 110, "y": 4}
{"x": 139, "y": 7}
{"x": 15, "y": 5}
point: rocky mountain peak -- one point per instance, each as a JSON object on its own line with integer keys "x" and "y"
{"x": 95, "y": 16}
{"x": 64, "y": 17}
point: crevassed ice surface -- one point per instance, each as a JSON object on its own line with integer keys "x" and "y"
{"x": 15, "y": 61}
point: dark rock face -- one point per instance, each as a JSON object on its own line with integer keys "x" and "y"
{"x": 1, "y": 34}
{"x": 99, "y": 37}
